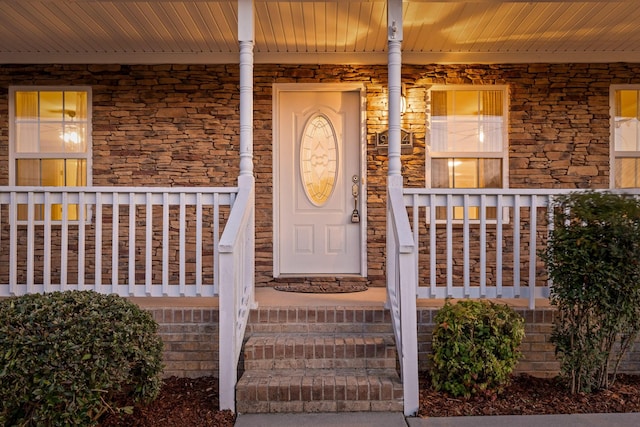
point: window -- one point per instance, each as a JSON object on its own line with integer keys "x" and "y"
{"x": 467, "y": 140}
{"x": 50, "y": 140}
{"x": 625, "y": 130}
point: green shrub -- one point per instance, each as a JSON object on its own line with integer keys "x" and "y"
{"x": 593, "y": 259}
{"x": 475, "y": 347}
{"x": 67, "y": 357}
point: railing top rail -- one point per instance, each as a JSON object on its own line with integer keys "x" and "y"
{"x": 116, "y": 189}
{"x": 510, "y": 191}
{"x": 120, "y": 195}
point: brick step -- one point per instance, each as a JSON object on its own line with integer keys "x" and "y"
{"x": 319, "y": 359}
{"x": 319, "y": 320}
{"x": 337, "y": 390}
{"x": 297, "y": 351}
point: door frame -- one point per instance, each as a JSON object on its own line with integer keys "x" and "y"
{"x": 278, "y": 88}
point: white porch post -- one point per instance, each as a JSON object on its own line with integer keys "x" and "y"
{"x": 394, "y": 19}
{"x": 394, "y": 70}
{"x": 237, "y": 275}
{"x": 246, "y": 179}
{"x": 246, "y": 40}
{"x": 396, "y": 262}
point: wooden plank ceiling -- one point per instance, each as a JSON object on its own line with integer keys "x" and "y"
{"x": 306, "y": 31}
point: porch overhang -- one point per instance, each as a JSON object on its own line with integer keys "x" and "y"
{"x": 317, "y": 32}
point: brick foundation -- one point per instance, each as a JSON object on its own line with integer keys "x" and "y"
{"x": 538, "y": 356}
{"x": 190, "y": 337}
{"x": 538, "y": 353}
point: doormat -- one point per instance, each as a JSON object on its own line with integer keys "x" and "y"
{"x": 324, "y": 288}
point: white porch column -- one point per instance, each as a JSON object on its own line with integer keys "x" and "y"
{"x": 237, "y": 261}
{"x": 246, "y": 36}
{"x": 246, "y": 41}
{"x": 394, "y": 20}
{"x": 400, "y": 278}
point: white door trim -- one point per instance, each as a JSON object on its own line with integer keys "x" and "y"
{"x": 329, "y": 87}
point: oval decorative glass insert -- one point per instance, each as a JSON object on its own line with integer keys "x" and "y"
{"x": 319, "y": 159}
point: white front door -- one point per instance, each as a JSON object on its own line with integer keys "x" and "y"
{"x": 317, "y": 152}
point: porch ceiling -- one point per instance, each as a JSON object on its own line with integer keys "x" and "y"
{"x": 307, "y": 31}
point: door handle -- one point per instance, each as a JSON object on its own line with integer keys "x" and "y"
{"x": 355, "y": 192}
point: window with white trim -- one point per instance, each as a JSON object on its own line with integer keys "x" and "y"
{"x": 625, "y": 134}
{"x": 467, "y": 143}
{"x": 50, "y": 140}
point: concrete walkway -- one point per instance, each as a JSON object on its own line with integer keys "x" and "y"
{"x": 396, "y": 419}
{"x": 346, "y": 419}
{"x": 573, "y": 420}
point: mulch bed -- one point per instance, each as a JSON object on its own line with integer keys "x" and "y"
{"x": 527, "y": 395}
{"x": 194, "y": 402}
{"x": 182, "y": 402}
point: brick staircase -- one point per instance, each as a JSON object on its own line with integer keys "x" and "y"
{"x": 319, "y": 359}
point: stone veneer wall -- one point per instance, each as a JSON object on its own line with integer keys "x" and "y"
{"x": 178, "y": 125}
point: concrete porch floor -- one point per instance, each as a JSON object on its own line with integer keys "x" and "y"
{"x": 372, "y": 297}
{"x": 269, "y": 297}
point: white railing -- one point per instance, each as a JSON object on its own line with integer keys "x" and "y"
{"x": 237, "y": 297}
{"x": 130, "y": 241}
{"x": 401, "y": 293}
{"x": 481, "y": 243}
